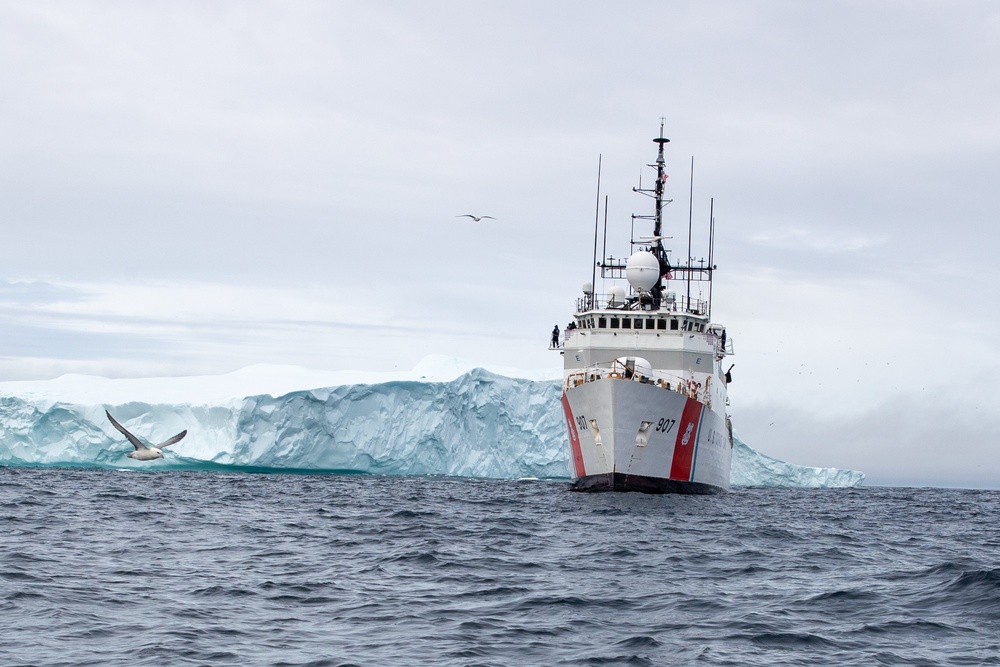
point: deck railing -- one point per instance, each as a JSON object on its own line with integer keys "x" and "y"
{"x": 679, "y": 304}
{"x": 711, "y": 338}
{"x": 665, "y": 380}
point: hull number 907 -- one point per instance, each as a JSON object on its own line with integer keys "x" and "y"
{"x": 665, "y": 425}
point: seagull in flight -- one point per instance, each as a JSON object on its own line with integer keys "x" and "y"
{"x": 475, "y": 218}
{"x": 144, "y": 452}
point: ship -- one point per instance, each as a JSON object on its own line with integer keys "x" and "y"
{"x": 644, "y": 393}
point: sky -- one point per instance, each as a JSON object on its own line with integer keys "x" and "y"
{"x": 189, "y": 188}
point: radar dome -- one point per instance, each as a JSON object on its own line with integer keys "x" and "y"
{"x": 616, "y": 296}
{"x": 642, "y": 270}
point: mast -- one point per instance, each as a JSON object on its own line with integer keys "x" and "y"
{"x": 661, "y": 179}
{"x": 687, "y": 269}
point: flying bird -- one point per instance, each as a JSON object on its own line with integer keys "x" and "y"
{"x": 475, "y": 218}
{"x": 144, "y": 452}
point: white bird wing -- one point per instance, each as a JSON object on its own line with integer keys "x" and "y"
{"x": 124, "y": 431}
{"x": 175, "y": 439}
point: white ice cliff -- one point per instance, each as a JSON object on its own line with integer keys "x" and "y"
{"x": 442, "y": 418}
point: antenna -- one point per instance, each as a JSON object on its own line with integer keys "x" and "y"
{"x": 604, "y": 250}
{"x": 690, "y": 211}
{"x": 711, "y": 252}
{"x": 597, "y": 215}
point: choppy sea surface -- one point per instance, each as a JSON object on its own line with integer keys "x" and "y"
{"x": 101, "y": 567}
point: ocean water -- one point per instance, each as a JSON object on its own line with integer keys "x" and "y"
{"x": 102, "y": 567}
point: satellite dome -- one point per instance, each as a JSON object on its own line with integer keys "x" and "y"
{"x": 642, "y": 270}
{"x": 616, "y": 295}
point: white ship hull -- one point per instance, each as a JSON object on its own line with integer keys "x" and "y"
{"x": 644, "y": 391}
{"x": 627, "y": 435}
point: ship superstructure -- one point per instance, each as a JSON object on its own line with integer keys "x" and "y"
{"x": 644, "y": 391}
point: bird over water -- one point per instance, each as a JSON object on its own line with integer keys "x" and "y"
{"x": 144, "y": 452}
{"x": 476, "y": 218}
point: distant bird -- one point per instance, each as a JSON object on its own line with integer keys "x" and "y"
{"x": 144, "y": 452}
{"x": 475, "y": 218}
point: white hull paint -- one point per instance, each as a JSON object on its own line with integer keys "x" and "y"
{"x": 627, "y": 435}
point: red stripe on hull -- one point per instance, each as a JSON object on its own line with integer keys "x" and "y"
{"x": 687, "y": 438}
{"x": 574, "y": 440}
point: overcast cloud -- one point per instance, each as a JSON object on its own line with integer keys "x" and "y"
{"x": 192, "y": 187}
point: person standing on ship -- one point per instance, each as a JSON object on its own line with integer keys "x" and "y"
{"x": 555, "y": 336}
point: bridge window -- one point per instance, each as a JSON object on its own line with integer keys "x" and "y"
{"x": 602, "y": 323}
{"x": 626, "y": 323}
{"x": 673, "y": 325}
{"x": 650, "y": 324}
{"x": 614, "y": 322}
{"x": 661, "y": 324}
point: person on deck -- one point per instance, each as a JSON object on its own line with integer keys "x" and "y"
{"x": 569, "y": 329}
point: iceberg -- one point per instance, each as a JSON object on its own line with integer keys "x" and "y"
{"x": 752, "y": 468}
{"x": 445, "y": 417}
